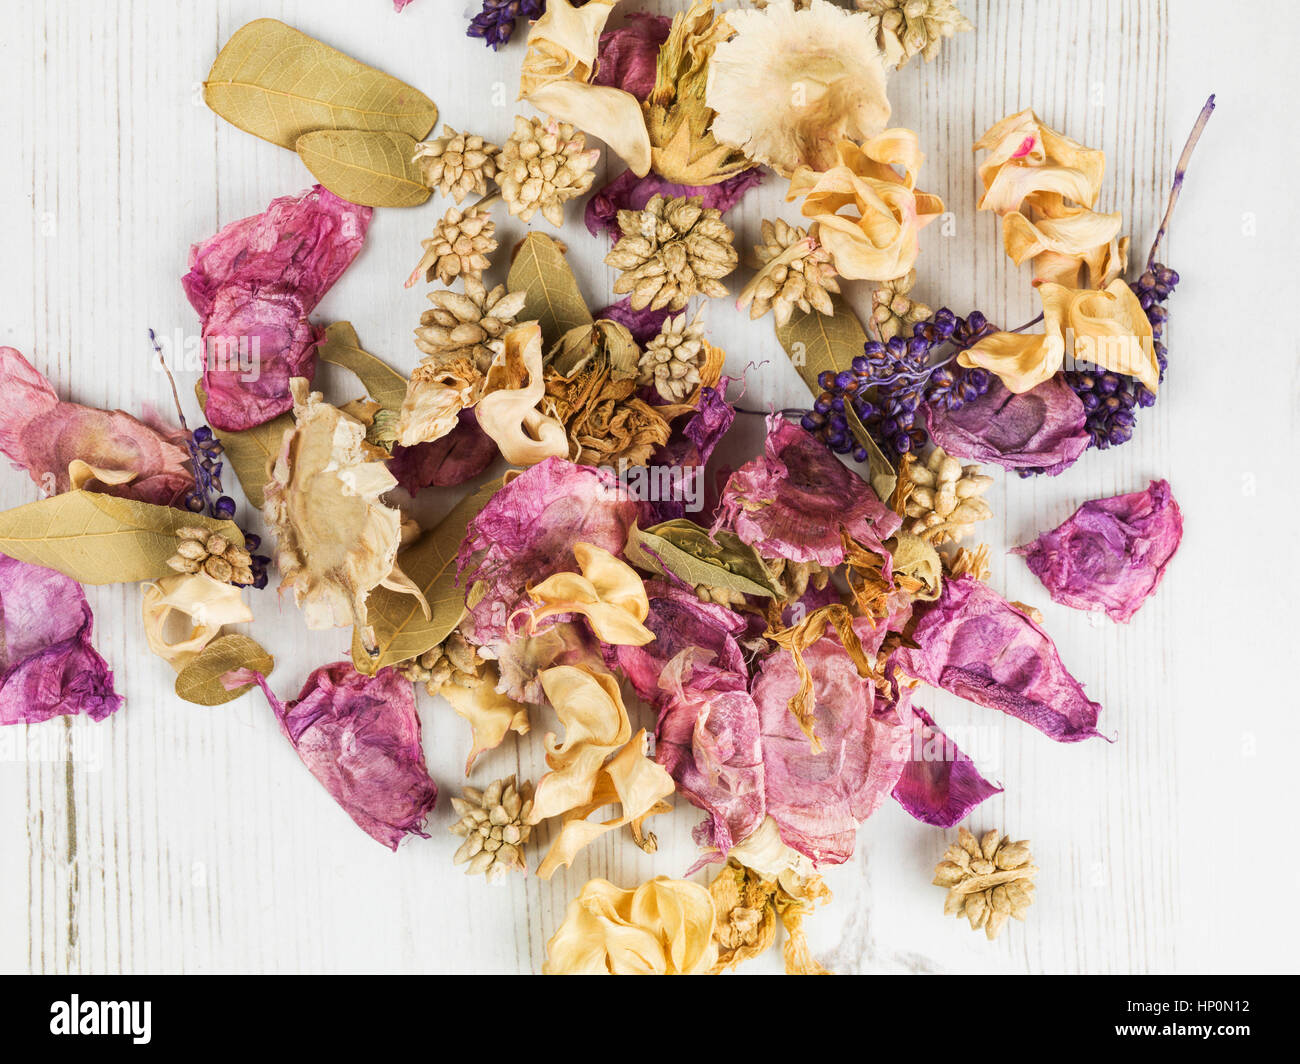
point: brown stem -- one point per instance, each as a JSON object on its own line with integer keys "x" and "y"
{"x": 1179, "y": 172}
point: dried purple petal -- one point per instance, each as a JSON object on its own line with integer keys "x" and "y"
{"x": 48, "y": 667}
{"x": 627, "y": 55}
{"x": 708, "y": 740}
{"x": 459, "y": 456}
{"x": 629, "y": 192}
{"x": 1042, "y": 428}
{"x": 940, "y": 785}
{"x": 527, "y": 531}
{"x": 256, "y": 281}
{"x": 1110, "y": 554}
{"x": 360, "y": 737}
{"x": 43, "y": 435}
{"x": 689, "y": 448}
{"x": 974, "y": 644}
{"x": 794, "y": 500}
{"x": 644, "y": 324}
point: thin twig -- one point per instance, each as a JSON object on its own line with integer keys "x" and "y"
{"x": 176, "y": 396}
{"x": 1179, "y": 173}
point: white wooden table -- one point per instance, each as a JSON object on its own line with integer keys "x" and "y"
{"x": 174, "y": 838}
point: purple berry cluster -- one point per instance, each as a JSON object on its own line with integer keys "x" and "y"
{"x": 1111, "y": 400}
{"x": 496, "y": 22}
{"x": 891, "y": 381}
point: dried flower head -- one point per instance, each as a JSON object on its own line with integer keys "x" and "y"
{"x": 670, "y": 251}
{"x": 791, "y": 84}
{"x": 543, "y": 166}
{"x": 494, "y": 824}
{"x": 201, "y": 550}
{"x": 868, "y": 214}
{"x": 988, "y": 880}
{"x": 457, "y": 164}
{"x": 461, "y": 246}
{"x": 914, "y": 27}
{"x": 336, "y": 540}
{"x": 944, "y": 497}
{"x": 796, "y": 272}
{"x": 462, "y": 325}
{"x": 893, "y": 311}
{"x": 673, "y": 359}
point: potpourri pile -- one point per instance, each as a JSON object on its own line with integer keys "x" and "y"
{"x": 755, "y": 644}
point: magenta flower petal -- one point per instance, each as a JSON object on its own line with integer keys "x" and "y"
{"x": 793, "y": 501}
{"x": 627, "y": 55}
{"x": 708, "y": 740}
{"x": 464, "y": 453}
{"x": 680, "y": 622}
{"x": 1041, "y": 429}
{"x": 940, "y": 785}
{"x": 819, "y": 799}
{"x": 360, "y": 737}
{"x": 527, "y": 531}
{"x": 48, "y": 667}
{"x": 975, "y": 644}
{"x": 629, "y": 192}
{"x": 42, "y": 434}
{"x": 254, "y": 284}
{"x": 1110, "y": 554}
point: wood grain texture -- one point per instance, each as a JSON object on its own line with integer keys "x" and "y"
{"x": 179, "y": 839}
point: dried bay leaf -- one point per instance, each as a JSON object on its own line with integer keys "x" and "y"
{"x": 540, "y": 269}
{"x": 251, "y": 452}
{"x": 818, "y": 342}
{"x": 342, "y": 347}
{"x": 685, "y": 550}
{"x": 277, "y": 83}
{"x": 200, "y": 681}
{"x": 374, "y": 169}
{"x": 100, "y": 539}
{"x": 401, "y": 629}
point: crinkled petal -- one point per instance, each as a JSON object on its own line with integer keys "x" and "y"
{"x": 940, "y": 785}
{"x": 1110, "y": 554}
{"x": 461, "y": 455}
{"x": 975, "y": 644}
{"x": 627, "y": 56}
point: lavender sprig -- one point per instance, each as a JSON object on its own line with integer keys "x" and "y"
{"x": 495, "y": 24}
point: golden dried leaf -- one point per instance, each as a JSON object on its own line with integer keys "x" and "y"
{"x": 278, "y": 84}
{"x": 540, "y": 270}
{"x": 251, "y": 452}
{"x": 365, "y": 167}
{"x": 101, "y": 539}
{"x": 402, "y": 631}
{"x": 200, "y": 681}
{"x": 687, "y": 551}
{"x": 343, "y": 348}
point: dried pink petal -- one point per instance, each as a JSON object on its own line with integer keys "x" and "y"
{"x": 1042, "y": 428}
{"x": 974, "y": 644}
{"x": 527, "y": 531}
{"x": 360, "y": 737}
{"x": 254, "y": 284}
{"x": 464, "y": 453}
{"x": 44, "y": 435}
{"x": 629, "y": 192}
{"x": 627, "y": 56}
{"x": 48, "y": 667}
{"x": 794, "y": 500}
{"x": 1110, "y": 554}
{"x": 940, "y": 785}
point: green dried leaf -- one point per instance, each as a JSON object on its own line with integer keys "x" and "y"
{"x": 277, "y": 83}
{"x": 100, "y": 539}
{"x": 401, "y": 629}
{"x": 540, "y": 269}
{"x": 687, "y": 551}
{"x": 365, "y": 167}
{"x": 816, "y": 343}
{"x": 200, "y": 681}
{"x": 383, "y": 384}
{"x": 251, "y": 452}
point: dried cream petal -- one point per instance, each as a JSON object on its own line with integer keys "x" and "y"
{"x": 206, "y": 604}
{"x": 523, "y": 434}
{"x": 491, "y": 714}
{"x": 609, "y": 593}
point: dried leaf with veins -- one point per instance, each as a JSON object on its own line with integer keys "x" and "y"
{"x": 336, "y": 540}
{"x": 373, "y": 169}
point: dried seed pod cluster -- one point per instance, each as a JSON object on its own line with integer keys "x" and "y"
{"x": 461, "y": 246}
{"x": 453, "y": 661}
{"x": 542, "y": 167}
{"x": 460, "y": 325}
{"x": 201, "y": 550}
{"x": 671, "y": 250}
{"x": 494, "y": 824}
{"x": 893, "y": 311}
{"x": 988, "y": 880}
{"x": 944, "y": 501}
{"x": 914, "y": 27}
{"x": 457, "y": 164}
{"x": 673, "y": 359}
{"x": 796, "y": 272}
